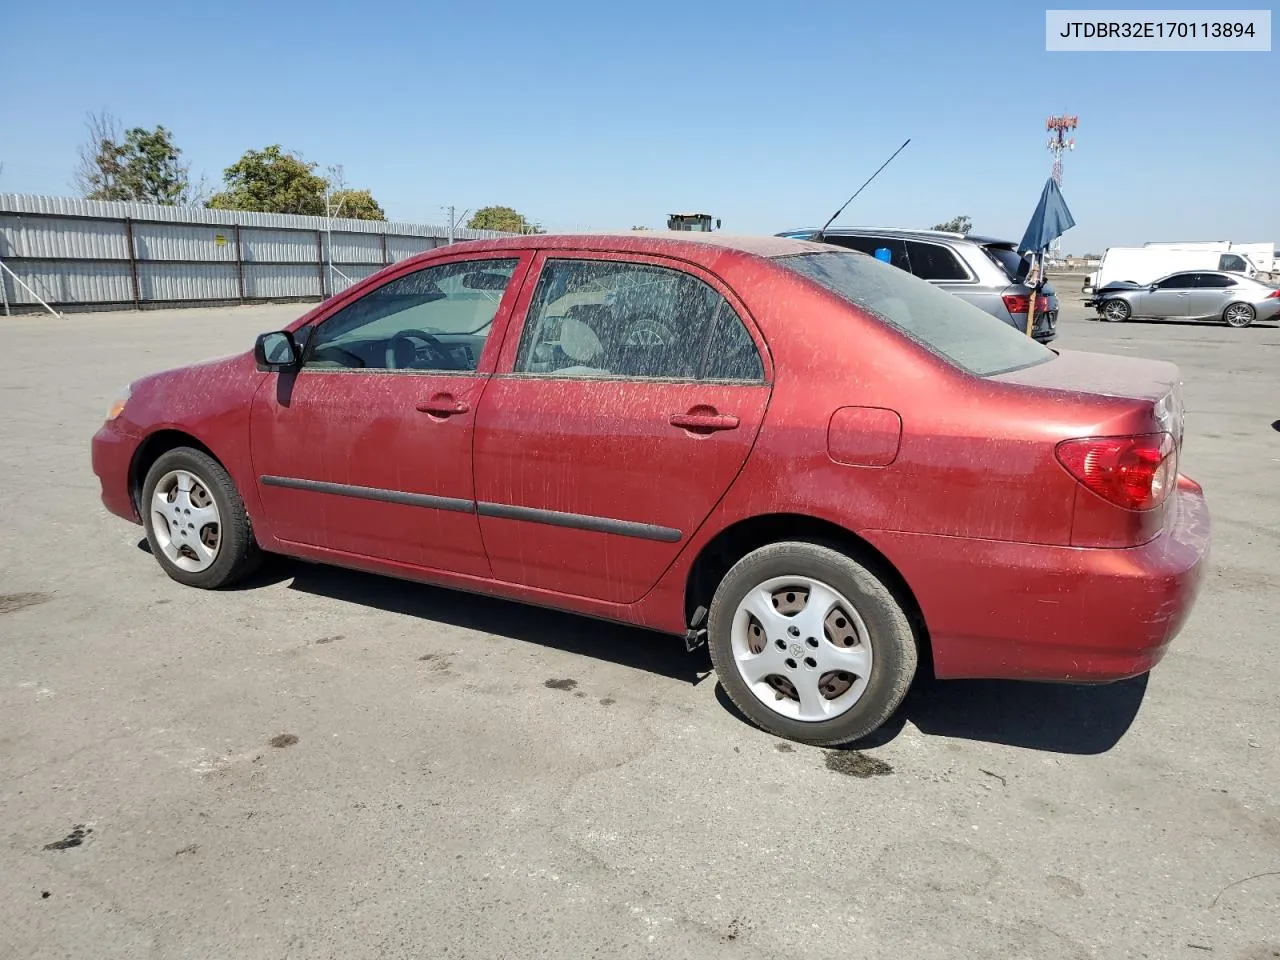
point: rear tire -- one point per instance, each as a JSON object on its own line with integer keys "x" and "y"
{"x": 195, "y": 520}
{"x": 810, "y": 644}
{"x": 1115, "y": 311}
{"x": 1239, "y": 315}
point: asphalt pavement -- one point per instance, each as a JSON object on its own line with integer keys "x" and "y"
{"x": 329, "y": 764}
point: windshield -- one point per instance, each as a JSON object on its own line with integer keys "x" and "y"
{"x": 955, "y": 330}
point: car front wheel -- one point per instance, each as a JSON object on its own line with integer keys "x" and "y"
{"x": 196, "y": 523}
{"x": 810, "y": 644}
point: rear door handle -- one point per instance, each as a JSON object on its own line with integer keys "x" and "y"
{"x": 704, "y": 422}
{"x": 444, "y": 406}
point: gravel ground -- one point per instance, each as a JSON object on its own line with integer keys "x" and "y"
{"x": 328, "y": 764}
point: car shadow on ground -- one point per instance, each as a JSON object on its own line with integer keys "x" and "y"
{"x": 1052, "y": 717}
{"x": 655, "y": 653}
{"x": 1056, "y": 718}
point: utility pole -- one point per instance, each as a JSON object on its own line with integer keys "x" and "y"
{"x": 450, "y": 208}
{"x": 1061, "y": 140}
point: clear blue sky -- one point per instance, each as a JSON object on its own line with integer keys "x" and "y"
{"x": 605, "y": 115}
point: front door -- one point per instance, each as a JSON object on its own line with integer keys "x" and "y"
{"x": 616, "y": 422}
{"x": 366, "y": 449}
{"x": 1169, "y": 298}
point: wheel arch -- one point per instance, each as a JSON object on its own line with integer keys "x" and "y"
{"x": 151, "y": 449}
{"x": 735, "y": 541}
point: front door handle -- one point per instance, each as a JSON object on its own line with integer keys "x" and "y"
{"x": 704, "y": 422}
{"x": 444, "y": 406}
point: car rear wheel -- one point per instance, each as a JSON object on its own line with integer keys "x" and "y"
{"x": 1239, "y": 315}
{"x": 1116, "y": 311}
{"x": 195, "y": 521}
{"x": 810, "y": 644}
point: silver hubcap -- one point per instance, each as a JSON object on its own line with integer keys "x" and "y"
{"x": 1115, "y": 311}
{"x": 1238, "y": 315}
{"x": 185, "y": 522}
{"x": 801, "y": 648}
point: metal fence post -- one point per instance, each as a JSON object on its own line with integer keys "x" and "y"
{"x": 320, "y": 263}
{"x": 133, "y": 262}
{"x": 239, "y": 261}
{"x": 385, "y": 261}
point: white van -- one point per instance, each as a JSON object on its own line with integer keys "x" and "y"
{"x": 1144, "y": 264}
{"x": 1261, "y": 255}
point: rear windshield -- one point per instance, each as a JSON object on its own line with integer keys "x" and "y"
{"x": 968, "y": 337}
{"x": 1014, "y": 264}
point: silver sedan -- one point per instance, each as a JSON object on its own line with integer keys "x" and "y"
{"x": 1202, "y": 295}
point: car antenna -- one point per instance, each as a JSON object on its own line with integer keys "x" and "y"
{"x": 821, "y": 233}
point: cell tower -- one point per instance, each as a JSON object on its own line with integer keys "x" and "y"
{"x": 1061, "y": 129}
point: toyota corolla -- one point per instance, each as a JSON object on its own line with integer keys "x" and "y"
{"x": 820, "y": 465}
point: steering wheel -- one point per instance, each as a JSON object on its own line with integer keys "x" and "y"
{"x": 647, "y": 332}
{"x": 435, "y": 351}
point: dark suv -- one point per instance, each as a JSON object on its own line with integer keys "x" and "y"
{"x": 988, "y": 273}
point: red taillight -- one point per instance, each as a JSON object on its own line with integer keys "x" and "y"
{"x": 1274, "y": 295}
{"x": 1131, "y": 472}
{"x": 1017, "y": 303}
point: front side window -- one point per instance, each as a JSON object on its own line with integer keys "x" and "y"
{"x": 1179, "y": 281}
{"x": 611, "y": 318}
{"x": 890, "y": 250}
{"x": 434, "y": 319}
{"x": 959, "y": 332}
{"x": 1232, "y": 262}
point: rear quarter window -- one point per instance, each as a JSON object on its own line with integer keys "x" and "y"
{"x": 959, "y": 332}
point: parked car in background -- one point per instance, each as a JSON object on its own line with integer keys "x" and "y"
{"x": 1144, "y": 265}
{"x": 983, "y": 271}
{"x": 828, "y": 469}
{"x": 1203, "y": 295}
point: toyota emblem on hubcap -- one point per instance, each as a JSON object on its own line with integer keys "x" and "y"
{"x": 796, "y": 650}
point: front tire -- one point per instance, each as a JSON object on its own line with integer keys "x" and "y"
{"x": 1116, "y": 311}
{"x": 1239, "y": 315}
{"x": 810, "y": 644}
{"x": 196, "y": 523}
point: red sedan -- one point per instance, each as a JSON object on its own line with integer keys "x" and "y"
{"x": 820, "y": 464}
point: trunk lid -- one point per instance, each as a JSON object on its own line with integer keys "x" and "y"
{"x": 1154, "y": 382}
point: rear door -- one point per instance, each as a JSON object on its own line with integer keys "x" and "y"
{"x": 1209, "y": 296}
{"x": 614, "y": 423}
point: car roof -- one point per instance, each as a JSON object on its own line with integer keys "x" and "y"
{"x": 690, "y": 244}
{"x": 907, "y": 232}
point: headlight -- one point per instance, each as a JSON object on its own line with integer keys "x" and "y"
{"x": 117, "y": 405}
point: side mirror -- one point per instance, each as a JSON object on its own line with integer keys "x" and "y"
{"x": 1153, "y": 288}
{"x": 276, "y": 351}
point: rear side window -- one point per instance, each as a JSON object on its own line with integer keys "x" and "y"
{"x": 929, "y": 261}
{"x": 614, "y": 318}
{"x": 1015, "y": 265}
{"x": 1216, "y": 280}
{"x": 957, "y": 331}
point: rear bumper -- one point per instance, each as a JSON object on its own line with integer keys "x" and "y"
{"x": 1025, "y": 611}
{"x": 112, "y": 452}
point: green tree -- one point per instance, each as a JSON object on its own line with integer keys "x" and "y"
{"x": 272, "y": 181}
{"x": 502, "y": 218}
{"x": 355, "y": 205}
{"x": 960, "y": 224}
{"x": 143, "y": 165}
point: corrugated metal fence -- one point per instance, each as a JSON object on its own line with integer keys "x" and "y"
{"x": 93, "y": 254}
